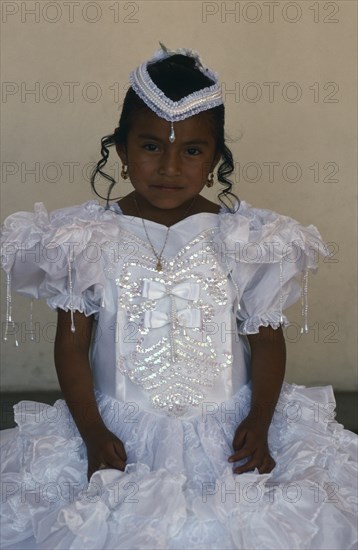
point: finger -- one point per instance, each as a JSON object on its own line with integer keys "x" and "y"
{"x": 107, "y": 463}
{"x": 239, "y": 439}
{"x": 120, "y": 450}
{"x": 117, "y": 456}
{"x": 90, "y": 471}
{"x": 114, "y": 461}
{"x": 117, "y": 465}
{"x": 243, "y": 453}
{"x": 97, "y": 465}
{"x": 248, "y": 467}
{"x": 267, "y": 466}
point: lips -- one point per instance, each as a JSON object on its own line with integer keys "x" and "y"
{"x": 166, "y": 187}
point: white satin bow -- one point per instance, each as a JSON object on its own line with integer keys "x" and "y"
{"x": 155, "y": 290}
{"x": 185, "y": 317}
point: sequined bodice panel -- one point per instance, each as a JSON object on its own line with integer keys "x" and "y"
{"x": 174, "y": 327}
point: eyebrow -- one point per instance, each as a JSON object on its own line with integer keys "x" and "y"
{"x": 190, "y": 142}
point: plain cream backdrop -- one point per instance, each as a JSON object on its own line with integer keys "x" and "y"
{"x": 289, "y": 77}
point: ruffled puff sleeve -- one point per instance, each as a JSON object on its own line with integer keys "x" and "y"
{"x": 268, "y": 257}
{"x": 57, "y": 256}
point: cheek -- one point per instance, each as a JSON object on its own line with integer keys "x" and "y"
{"x": 142, "y": 166}
{"x": 199, "y": 171}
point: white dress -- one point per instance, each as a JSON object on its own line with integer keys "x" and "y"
{"x": 171, "y": 371}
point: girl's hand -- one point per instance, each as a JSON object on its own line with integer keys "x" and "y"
{"x": 104, "y": 449}
{"x": 250, "y": 442}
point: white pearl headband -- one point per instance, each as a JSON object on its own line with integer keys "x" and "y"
{"x": 161, "y": 105}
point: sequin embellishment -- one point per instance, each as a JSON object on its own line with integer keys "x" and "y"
{"x": 178, "y": 369}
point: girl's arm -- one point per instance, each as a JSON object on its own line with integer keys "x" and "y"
{"x": 268, "y": 359}
{"x": 75, "y": 379}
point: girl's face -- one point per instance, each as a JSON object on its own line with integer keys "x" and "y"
{"x": 169, "y": 174}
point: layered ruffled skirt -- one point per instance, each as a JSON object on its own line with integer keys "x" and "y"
{"x": 178, "y": 490}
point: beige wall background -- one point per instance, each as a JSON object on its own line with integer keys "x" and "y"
{"x": 289, "y": 77}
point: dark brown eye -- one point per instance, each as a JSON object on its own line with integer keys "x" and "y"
{"x": 193, "y": 151}
{"x": 150, "y": 147}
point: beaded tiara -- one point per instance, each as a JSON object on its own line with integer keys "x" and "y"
{"x": 163, "y": 106}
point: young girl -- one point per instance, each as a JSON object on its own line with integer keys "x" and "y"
{"x": 177, "y": 432}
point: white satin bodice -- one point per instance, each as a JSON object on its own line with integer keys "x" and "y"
{"x": 168, "y": 341}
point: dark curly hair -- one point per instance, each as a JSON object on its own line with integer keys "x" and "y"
{"x": 177, "y": 76}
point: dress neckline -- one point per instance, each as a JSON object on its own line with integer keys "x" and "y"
{"x": 117, "y": 210}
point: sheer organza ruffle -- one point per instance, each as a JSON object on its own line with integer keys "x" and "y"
{"x": 39, "y": 248}
{"x": 178, "y": 490}
{"x": 256, "y": 235}
{"x": 269, "y": 256}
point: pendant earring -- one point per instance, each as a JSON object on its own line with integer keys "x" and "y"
{"x": 210, "y": 181}
{"x": 124, "y": 172}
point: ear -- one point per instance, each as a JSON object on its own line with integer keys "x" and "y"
{"x": 122, "y": 152}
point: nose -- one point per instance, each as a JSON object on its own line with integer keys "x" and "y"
{"x": 170, "y": 162}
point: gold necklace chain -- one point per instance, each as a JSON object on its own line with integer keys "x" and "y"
{"x": 159, "y": 266}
